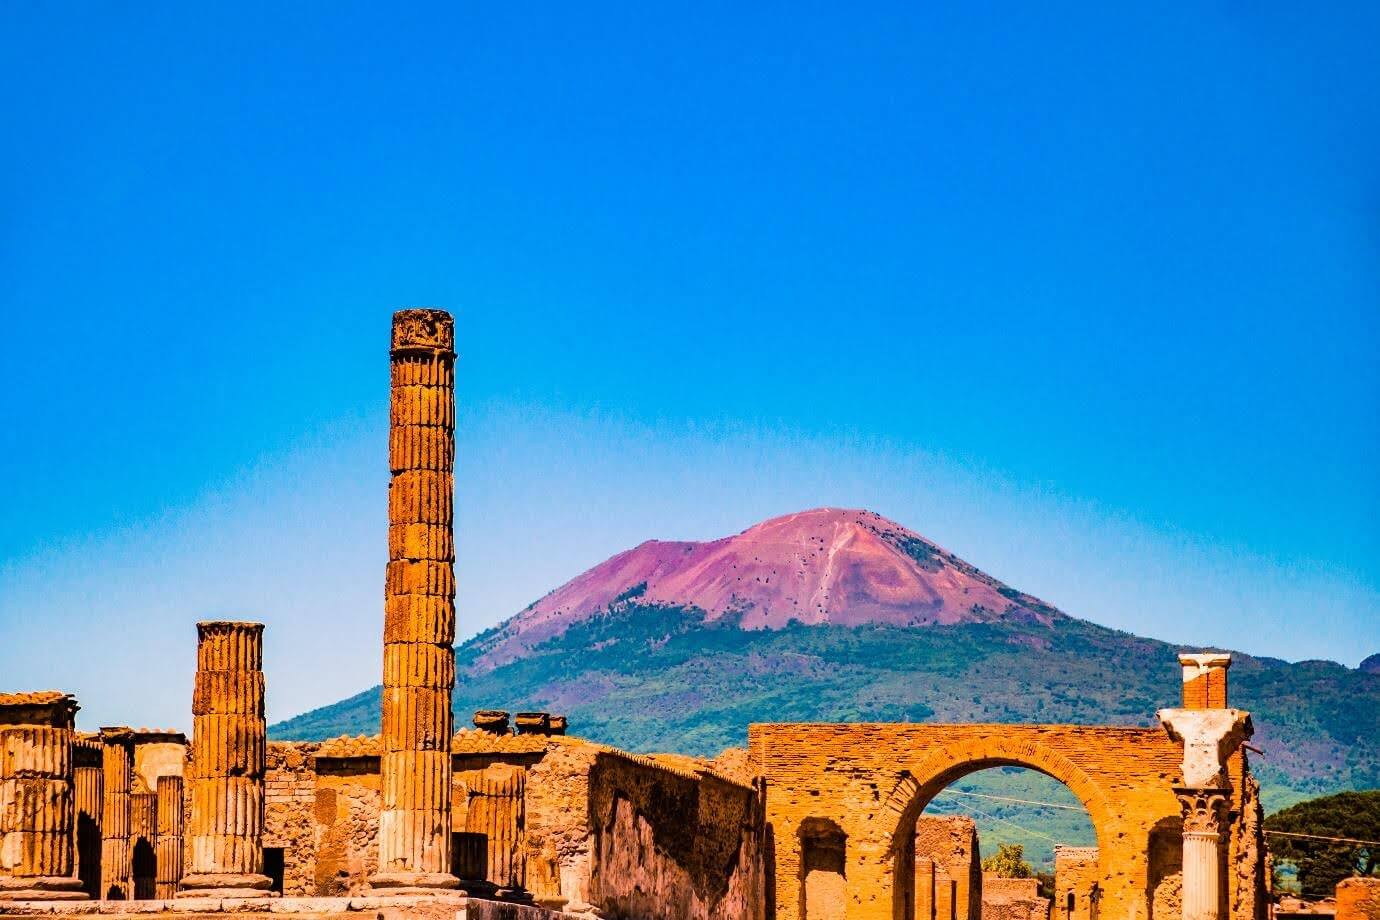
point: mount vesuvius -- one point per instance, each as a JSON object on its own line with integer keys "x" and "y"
{"x": 841, "y": 615}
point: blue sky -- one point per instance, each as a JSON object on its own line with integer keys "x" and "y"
{"x": 1087, "y": 294}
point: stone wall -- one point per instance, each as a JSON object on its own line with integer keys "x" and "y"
{"x": 290, "y": 821}
{"x": 1012, "y": 899}
{"x": 673, "y": 844}
{"x": 1076, "y": 876}
{"x": 1358, "y": 899}
{"x": 537, "y": 809}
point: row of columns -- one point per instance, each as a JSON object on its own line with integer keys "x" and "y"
{"x": 225, "y": 782}
{"x": 42, "y": 791}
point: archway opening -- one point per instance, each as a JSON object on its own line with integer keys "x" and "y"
{"x": 997, "y": 833}
{"x": 823, "y": 858}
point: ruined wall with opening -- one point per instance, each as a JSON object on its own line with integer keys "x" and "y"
{"x": 874, "y": 779}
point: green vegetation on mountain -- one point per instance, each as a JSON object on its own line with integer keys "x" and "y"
{"x": 651, "y": 677}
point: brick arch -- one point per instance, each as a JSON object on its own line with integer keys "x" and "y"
{"x": 917, "y": 787}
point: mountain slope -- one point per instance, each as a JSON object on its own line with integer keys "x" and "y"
{"x": 826, "y": 565}
{"x": 652, "y": 650}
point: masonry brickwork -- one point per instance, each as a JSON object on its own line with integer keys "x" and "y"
{"x": 873, "y": 780}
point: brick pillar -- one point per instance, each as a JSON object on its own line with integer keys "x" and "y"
{"x": 945, "y": 894}
{"x": 36, "y": 813}
{"x": 227, "y": 769}
{"x": 924, "y": 888}
{"x": 117, "y": 765}
{"x": 419, "y": 608}
{"x": 1205, "y": 680}
{"x": 88, "y": 787}
{"x": 170, "y": 819}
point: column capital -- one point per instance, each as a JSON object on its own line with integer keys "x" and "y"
{"x": 1204, "y": 810}
{"x": 1209, "y": 737}
{"x": 424, "y": 330}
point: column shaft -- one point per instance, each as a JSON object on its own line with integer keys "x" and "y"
{"x": 419, "y": 607}
{"x": 36, "y": 812}
{"x": 170, "y": 820}
{"x": 1203, "y": 811}
{"x": 89, "y": 801}
{"x": 117, "y": 756}
{"x": 226, "y": 782}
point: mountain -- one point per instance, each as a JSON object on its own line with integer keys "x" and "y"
{"x": 833, "y": 615}
{"x": 826, "y": 566}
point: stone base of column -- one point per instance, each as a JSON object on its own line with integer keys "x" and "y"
{"x": 399, "y": 883}
{"x": 42, "y": 888}
{"x": 208, "y": 885}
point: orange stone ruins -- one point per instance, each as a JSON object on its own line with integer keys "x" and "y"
{"x": 515, "y": 818}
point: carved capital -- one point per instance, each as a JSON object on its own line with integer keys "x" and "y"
{"x": 423, "y": 330}
{"x": 1204, "y": 810}
{"x": 1209, "y": 737}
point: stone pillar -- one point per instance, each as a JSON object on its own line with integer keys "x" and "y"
{"x": 88, "y": 787}
{"x": 117, "y": 765}
{"x": 494, "y": 800}
{"x": 36, "y": 813}
{"x": 1210, "y": 735}
{"x": 419, "y": 608}
{"x": 1204, "y": 813}
{"x": 227, "y": 769}
{"x": 170, "y": 819}
{"x": 143, "y": 837}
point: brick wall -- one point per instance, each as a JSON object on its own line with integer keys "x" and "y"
{"x": 673, "y": 844}
{"x": 875, "y": 778}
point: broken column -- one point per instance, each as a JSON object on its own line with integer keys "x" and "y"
{"x": 494, "y": 819}
{"x": 1210, "y": 735}
{"x": 169, "y": 835}
{"x": 419, "y": 608}
{"x": 143, "y": 836}
{"x": 227, "y": 769}
{"x": 117, "y": 766}
{"x": 88, "y": 792}
{"x": 36, "y": 807}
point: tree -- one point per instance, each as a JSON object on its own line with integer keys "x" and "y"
{"x": 1321, "y": 864}
{"x": 1008, "y": 862}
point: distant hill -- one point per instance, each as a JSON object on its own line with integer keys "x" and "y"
{"x": 833, "y": 615}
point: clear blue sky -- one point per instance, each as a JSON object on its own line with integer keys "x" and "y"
{"x": 1086, "y": 293}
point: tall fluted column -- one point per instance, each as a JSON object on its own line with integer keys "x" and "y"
{"x": 170, "y": 821}
{"x": 419, "y": 607}
{"x": 88, "y": 788}
{"x": 227, "y": 769}
{"x": 36, "y": 797}
{"x": 117, "y": 766}
{"x": 1203, "y": 811}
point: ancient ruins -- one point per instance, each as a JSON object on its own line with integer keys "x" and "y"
{"x": 514, "y": 817}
